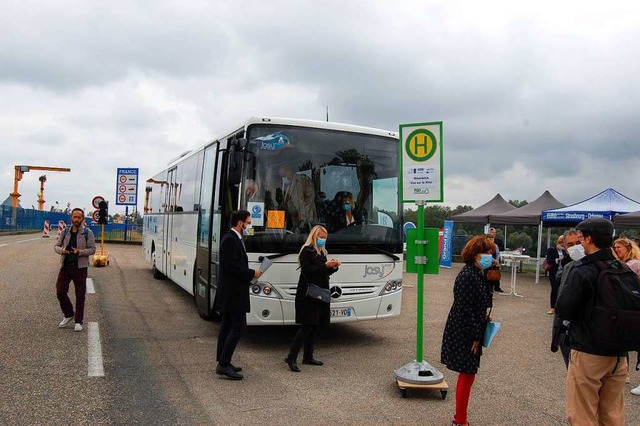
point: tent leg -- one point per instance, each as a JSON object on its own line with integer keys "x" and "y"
{"x": 539, "y": 251}
{"x": 504, "y": 243}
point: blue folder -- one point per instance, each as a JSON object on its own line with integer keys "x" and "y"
{"x": 492, "y": 329}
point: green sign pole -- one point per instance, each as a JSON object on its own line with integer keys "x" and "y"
{"x": 421, "y": 164}
{"x": 420, "y": 265}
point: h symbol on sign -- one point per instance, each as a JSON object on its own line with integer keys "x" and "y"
{"x": 421, "y": 144}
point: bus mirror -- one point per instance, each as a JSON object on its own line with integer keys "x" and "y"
{"x": 235, "y": 167}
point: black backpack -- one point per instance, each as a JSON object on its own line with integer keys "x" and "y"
{"x": 614, "y": 322}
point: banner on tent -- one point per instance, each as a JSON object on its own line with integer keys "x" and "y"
{"x": 572, "y": 216}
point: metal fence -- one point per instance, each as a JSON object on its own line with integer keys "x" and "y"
{"x": 33, "y": 220}
{"x": 28, "y": 219}
{"x": 117, "y": 232}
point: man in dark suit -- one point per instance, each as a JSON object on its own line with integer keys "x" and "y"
{"x": 232, "y": 300}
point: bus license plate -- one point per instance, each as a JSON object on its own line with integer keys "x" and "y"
{"x": 341, "y": 312}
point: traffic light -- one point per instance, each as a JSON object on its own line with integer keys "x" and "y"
{"x": 102, "y": 212}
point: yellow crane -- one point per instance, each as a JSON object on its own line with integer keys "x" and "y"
{"x": 19, "y": 170}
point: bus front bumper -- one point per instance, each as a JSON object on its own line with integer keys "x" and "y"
{"x": 274, "y": 311}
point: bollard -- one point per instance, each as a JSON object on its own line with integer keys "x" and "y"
{"x": 45, "y": 230}
{"x": 61, "y": 227}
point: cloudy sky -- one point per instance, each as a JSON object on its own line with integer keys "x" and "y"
{"x": 533, "y": 95}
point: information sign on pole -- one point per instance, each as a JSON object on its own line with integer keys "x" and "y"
{"x": 421, "y": 167}
{"x": 127, "y": 187}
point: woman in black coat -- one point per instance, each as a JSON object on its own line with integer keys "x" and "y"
{"x": 310, "y": 313}
{"x": 467, "y": 321}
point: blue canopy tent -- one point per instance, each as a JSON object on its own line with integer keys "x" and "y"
{"x": 607, "y": 204}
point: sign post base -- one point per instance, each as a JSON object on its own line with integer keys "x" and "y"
{"x": 419, "y": 373}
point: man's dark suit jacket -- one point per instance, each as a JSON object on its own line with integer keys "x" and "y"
{"x": 234, "y": 276}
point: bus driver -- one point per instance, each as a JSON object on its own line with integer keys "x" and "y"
{"x": 299, "y": 198}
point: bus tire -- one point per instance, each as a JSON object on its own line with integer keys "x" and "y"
{"x": 156, "y": 273}
{"x": 211, "y": 315}
{"x": 215, "y": 316}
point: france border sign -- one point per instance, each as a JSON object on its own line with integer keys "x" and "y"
{"x": 127, "y": 187}
{"x": 421, "y": 166}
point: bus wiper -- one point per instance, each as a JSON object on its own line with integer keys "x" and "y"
{"x": 272, "y": 256}
{"x": 379, "y": 250}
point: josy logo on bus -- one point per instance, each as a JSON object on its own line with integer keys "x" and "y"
{"x": 379, "y": 271}
{"x": 272, "y": 142}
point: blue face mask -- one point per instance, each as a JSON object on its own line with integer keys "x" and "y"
{"x": 346, "y": 207}
{"x": 486, "y": 260}
{"x": 320, "y": 242}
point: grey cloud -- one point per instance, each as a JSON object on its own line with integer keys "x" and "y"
{"x": 89, "y": 46}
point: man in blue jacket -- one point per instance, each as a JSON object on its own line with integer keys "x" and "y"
{"x": 595, "y": 379}
{"x": 232, "y": 300}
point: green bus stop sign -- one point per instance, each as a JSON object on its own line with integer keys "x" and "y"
{"x": 431, "y": 238}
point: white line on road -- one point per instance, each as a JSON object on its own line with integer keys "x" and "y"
{"x": 96, "y": 367}
{"x": 19, "y": 241}
{"x": 90, "y": 288}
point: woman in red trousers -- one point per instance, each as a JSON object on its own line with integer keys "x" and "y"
{"x": 467, "y": 321}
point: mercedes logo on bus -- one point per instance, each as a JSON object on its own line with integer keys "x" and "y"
{"x": 335, "y": 292}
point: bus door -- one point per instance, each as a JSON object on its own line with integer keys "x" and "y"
{"x": 168, "y": 222}
{"x": 205, "y": 282}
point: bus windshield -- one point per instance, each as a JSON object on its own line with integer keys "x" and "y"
{"x": 296, "y": 178}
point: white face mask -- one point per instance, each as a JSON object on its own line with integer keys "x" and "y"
{"x": 246, "y": 229}
{"x": 576, "y": 252}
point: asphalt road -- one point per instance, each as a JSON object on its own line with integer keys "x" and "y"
{"x": 159, "y": 357}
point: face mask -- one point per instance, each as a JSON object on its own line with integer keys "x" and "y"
{"x": 576, "y": 252}
{"x": 346, "y": 207}
{"x": 320, "y": 242}
{"x": 246, "y": 229}
{"x": 486, "y": 260}
{"x": 285, "y": 181}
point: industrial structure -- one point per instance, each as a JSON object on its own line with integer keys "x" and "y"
{"x": 20, "y": 170}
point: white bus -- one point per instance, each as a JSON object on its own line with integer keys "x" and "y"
{"x": 290, "y": 175}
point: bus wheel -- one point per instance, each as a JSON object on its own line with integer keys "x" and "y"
{"x": 156, "y": 273}
{"x": 213, "y": 316}
{"x": 210, "y": 315}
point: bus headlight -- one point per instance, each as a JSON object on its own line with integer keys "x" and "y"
{"x": 264, "y": 289}
{"x": 391, "y": 287}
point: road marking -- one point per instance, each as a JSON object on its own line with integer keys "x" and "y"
{"x": 96, "y": 367}
{"x": 90, "y": 288}
{"x": 19, "y": 241}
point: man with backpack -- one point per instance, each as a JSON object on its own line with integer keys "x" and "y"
{"x": 597, "y": 369}
{"x": 74, "y": 246}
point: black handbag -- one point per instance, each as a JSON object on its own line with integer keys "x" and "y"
{"x": 318, "y": 293}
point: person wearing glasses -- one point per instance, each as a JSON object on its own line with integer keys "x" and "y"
{"x": 572, "y": 241}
